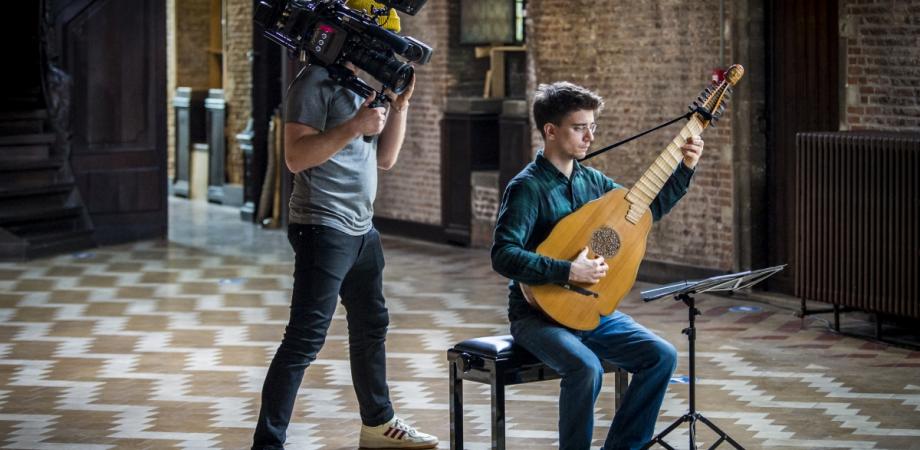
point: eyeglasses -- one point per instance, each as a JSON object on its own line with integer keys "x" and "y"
{"x": 584, "y": 127}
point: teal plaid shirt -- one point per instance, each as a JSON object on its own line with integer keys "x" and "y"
{"x": 534, "y": 201}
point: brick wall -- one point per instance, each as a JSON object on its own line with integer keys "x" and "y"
{"x": 672, "y": 44}
{"x": 882, "y": 64}
{"x": 412, "y": 189}
{"x": 648, "y": 62}
{"x": 186, "y": 47}
{"x": 237, "y": 80}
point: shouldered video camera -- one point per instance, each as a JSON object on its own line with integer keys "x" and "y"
{"x": 330, "y": 34}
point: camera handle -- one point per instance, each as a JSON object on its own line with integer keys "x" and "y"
{"x": 380, "y": 101}
{"x": 347, "y": 79}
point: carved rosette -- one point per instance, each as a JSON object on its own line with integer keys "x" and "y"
{"x": 605, "y": 242}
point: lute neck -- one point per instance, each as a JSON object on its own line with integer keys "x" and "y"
{"x": 641, "y": 195}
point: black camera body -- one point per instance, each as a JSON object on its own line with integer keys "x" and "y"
{"x": 331, "y": 34}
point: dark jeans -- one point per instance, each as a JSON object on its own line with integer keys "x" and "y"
{"x": 577, "y": 356}
{"x": 329, "y": 263}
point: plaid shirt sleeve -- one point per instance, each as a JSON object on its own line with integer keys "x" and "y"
{"x": 672, "y": 191}
{"x": 511, "y": 256}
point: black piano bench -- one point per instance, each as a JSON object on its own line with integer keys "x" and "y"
{"x": 495, "y": 360}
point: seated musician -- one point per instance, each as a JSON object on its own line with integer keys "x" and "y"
{"x": 549, "y": 188}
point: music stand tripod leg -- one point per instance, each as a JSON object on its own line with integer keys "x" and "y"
{"x": 723, "y": 436}
{"x": 659, "y": 439}
{"x": 692, "y": 415}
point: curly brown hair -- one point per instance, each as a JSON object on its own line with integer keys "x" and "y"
{"x": 553, "y": 101}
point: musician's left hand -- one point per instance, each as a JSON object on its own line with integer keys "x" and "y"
{"x": 692, "y": 151}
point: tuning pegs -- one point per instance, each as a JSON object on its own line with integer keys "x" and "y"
{"x": 717, "y": 115}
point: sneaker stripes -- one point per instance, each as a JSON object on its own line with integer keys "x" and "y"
{"x": 395, "y": 433}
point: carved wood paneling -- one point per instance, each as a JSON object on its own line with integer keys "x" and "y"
{"x": 115, "y": 52}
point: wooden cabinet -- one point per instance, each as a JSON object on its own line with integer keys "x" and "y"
{"x": 479, "y": 135}
{"x": 469, "y": 141}
{"x": 514, "y": 140}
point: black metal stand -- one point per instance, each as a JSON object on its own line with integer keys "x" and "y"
{"x": 692, "y": 416}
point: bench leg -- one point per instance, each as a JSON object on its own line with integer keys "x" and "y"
{"x": 456, "y": 407}
{"x": 621, "y": 382}
{"x": 498, "y": 412}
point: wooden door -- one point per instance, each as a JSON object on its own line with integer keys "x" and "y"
{"x": 803, "y": 83}
{"x": 115, "y": 53}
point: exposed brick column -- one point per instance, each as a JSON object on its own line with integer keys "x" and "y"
{"x": 237, "y": 80}
{"x": 186, "y": 48}
{"x": 748, "y": 110}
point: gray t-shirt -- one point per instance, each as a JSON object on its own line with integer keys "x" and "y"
{"x": 340, "y": 192}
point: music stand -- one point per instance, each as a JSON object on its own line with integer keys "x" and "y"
{"x": 682, "y": 291}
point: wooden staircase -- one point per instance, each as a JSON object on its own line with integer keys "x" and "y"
{"x": 41, "y": 212}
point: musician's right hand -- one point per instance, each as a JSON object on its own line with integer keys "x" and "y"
{"x": 585, "y": 270}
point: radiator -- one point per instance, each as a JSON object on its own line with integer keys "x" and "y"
{"x": 857, "y": 221}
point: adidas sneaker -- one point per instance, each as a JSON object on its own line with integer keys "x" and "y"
{"x": 395, "y": 434}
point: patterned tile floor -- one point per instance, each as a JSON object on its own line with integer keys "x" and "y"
{"x": 165, "y": 344}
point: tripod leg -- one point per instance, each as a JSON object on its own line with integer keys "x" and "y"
{"x": 659, "y": 439}
{"x": 722, "y": 435}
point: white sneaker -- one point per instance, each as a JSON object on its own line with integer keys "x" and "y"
{"x": 395, "y": 434}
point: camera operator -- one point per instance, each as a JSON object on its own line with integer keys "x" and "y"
{"x": 337, "y": 250}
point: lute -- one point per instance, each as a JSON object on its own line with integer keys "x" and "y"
{"x": 616, "y": 227}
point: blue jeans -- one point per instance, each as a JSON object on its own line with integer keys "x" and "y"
{"x": 327, "y": 264}
{"x": 576, "y": 355}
